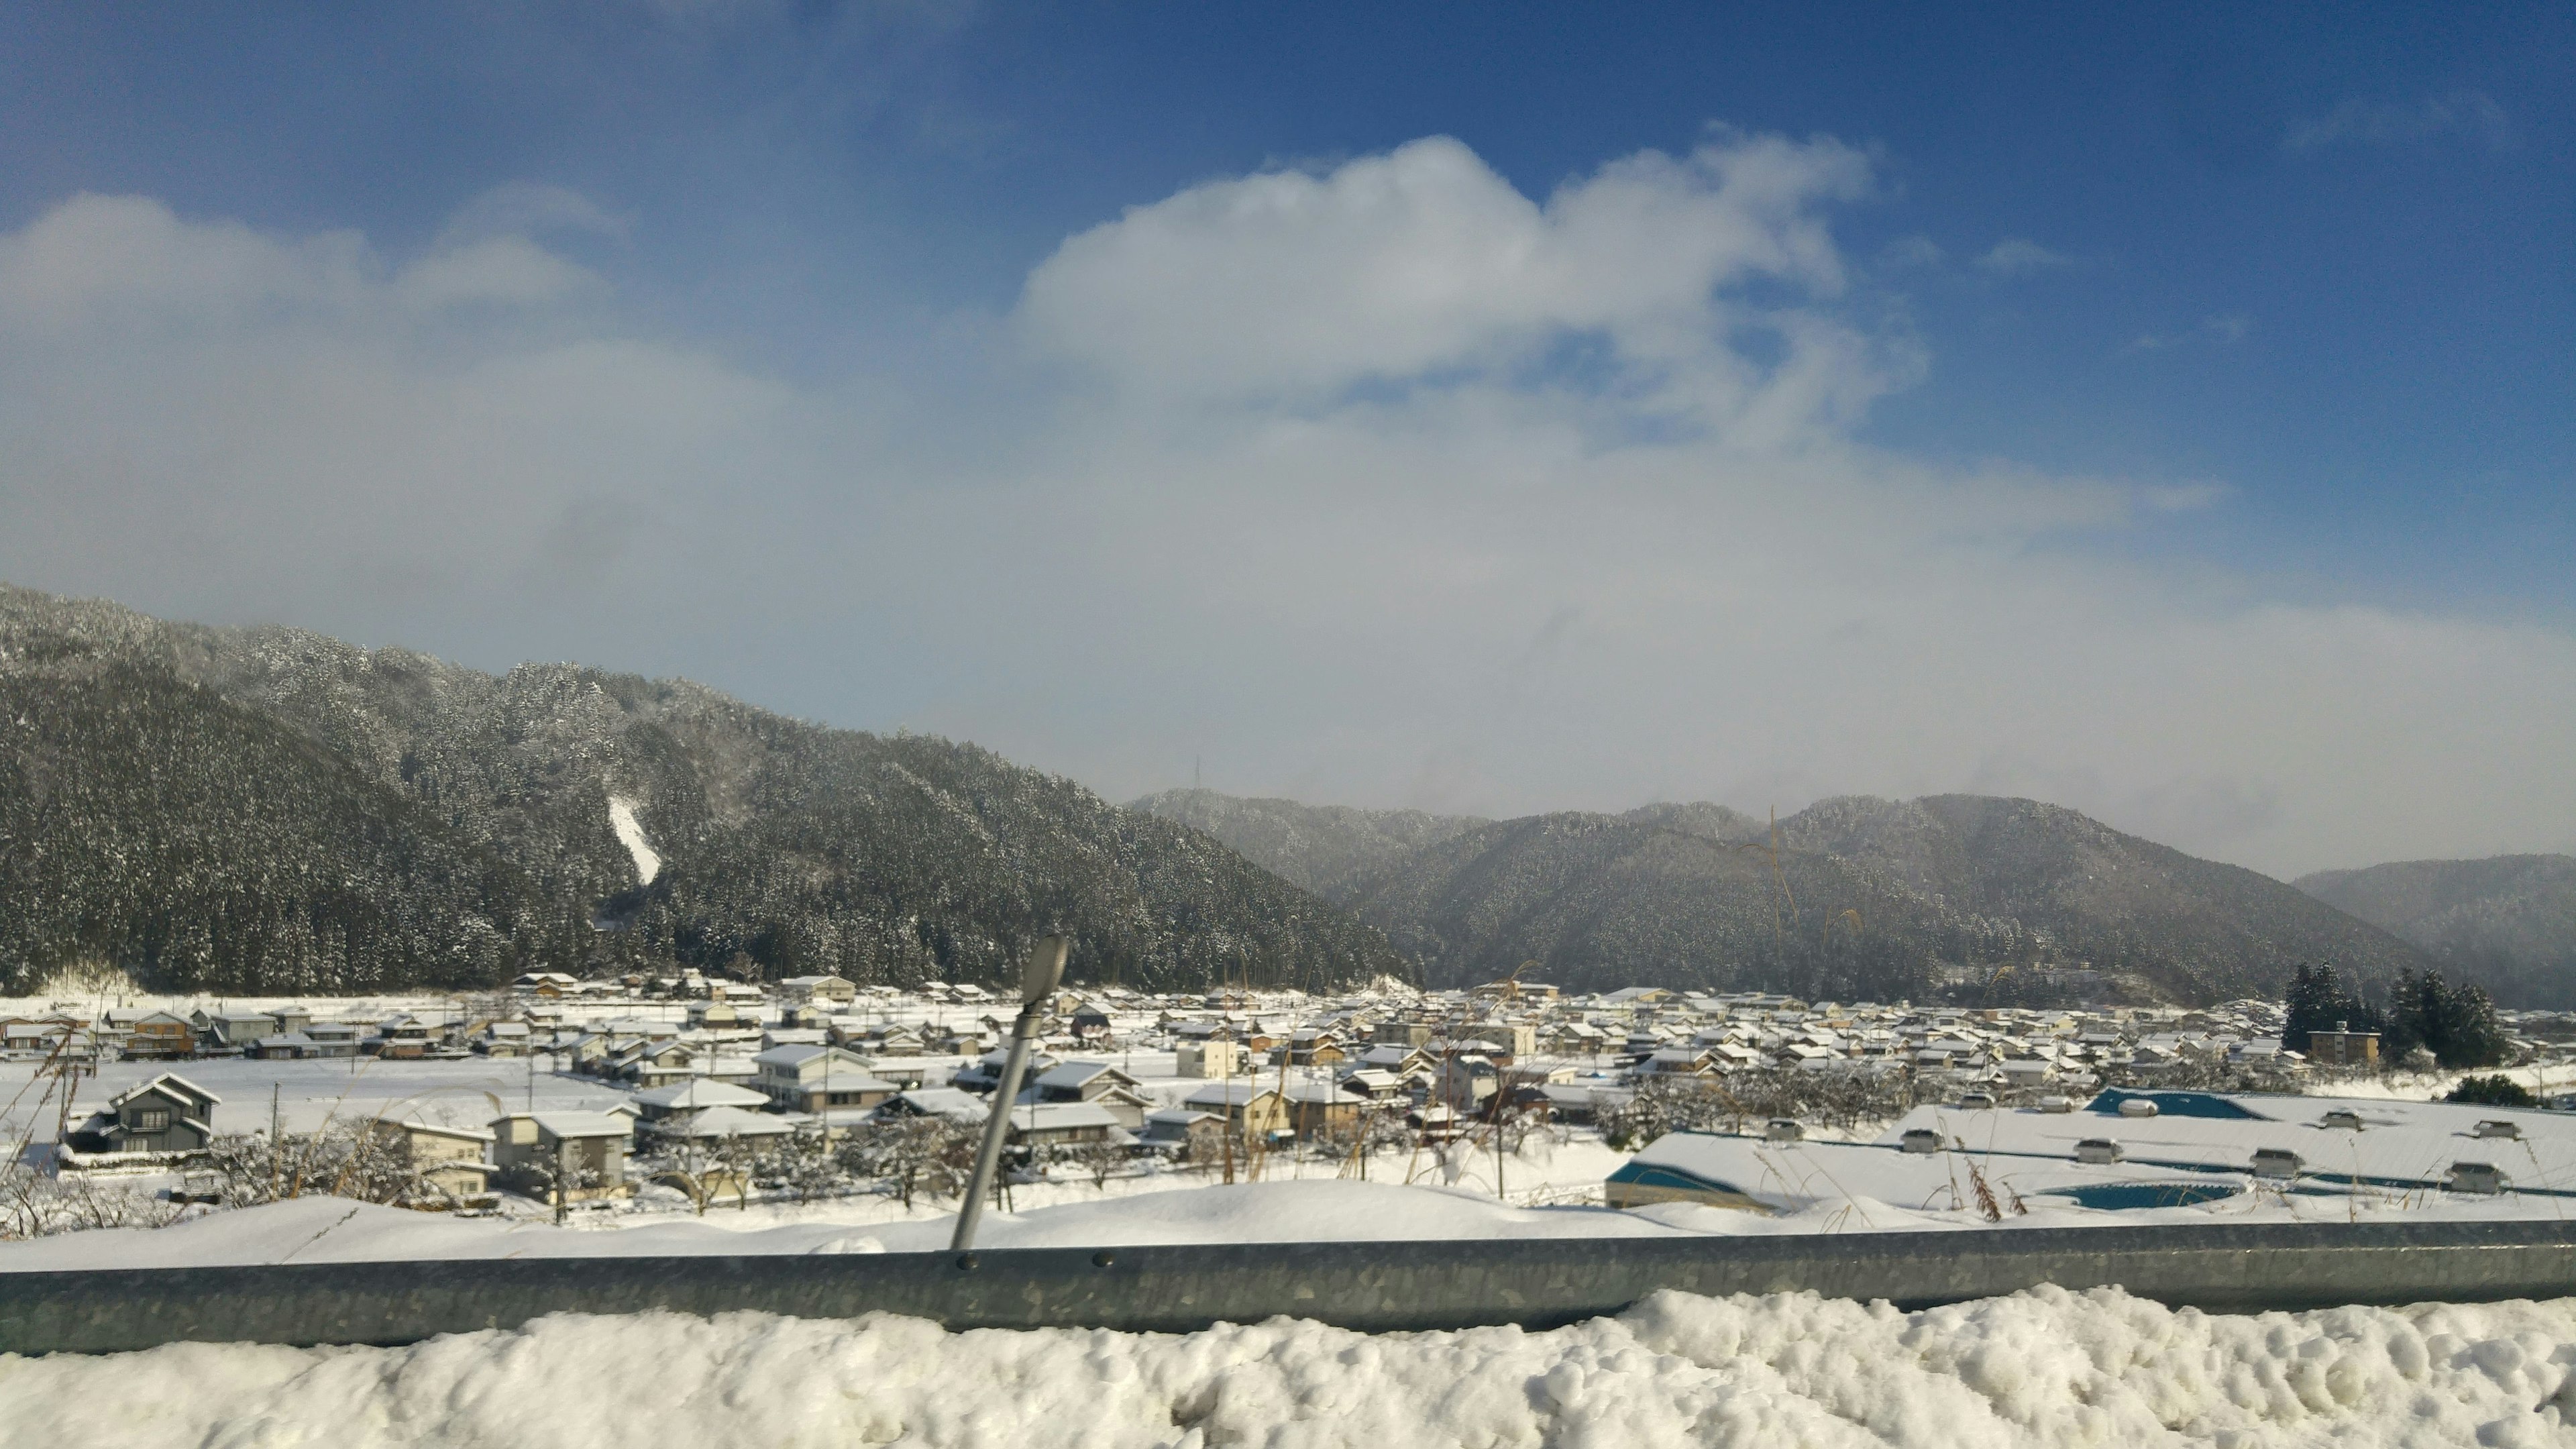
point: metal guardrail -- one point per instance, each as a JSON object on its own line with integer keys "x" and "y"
{"x": 1536, "y": 1282}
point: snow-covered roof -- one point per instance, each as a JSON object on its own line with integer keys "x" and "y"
{"x": 715, "y": 1123}
{"x": 579, "y": 1124}
{"x": 699, "y": 1092}
{"x": 181, "y": 1085}
{"x": 944, "y": 1102}
{"x": 1076, "y": 1074}
{"x": 1061, "y": 1116}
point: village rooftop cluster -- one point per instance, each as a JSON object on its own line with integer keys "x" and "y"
{"x": 724, "y": 1081}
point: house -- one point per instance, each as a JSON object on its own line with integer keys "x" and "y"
{"x": 450, "y": 1160}
{"x": 2028, "y": 1072}
{"x": 1096, "y": 1082}
{"x": 166, "y": 1114}
{"x": 886, "y": 1039}
{"x": 947, "y": 1102}
{"x": 284, "y": 1046}
{"x": 1185, "y": 1134}
{"x": 545, "y": 983}
{"x": 402, "y": 1036}
{"x": 902, "y": 1071}
{"x": 333, "y": 1038}
{"x": 1563, "y": 1102}
{"x": 1090, "y": 1023}
{"x": 1317, "y": 1109}
{"x": 718, "y": 1014}
{"x": 1064, "y": 1124}
{"x": 1405, "y": 1033}
{"x": 818, "y": 990}
{"x": 38, "y": 1037}
{"x": 503, "y": 1039}
{"x": 1467, "y": 1080}
{"x": 1577, "y": 1039}
{"x": 1403, "y": 1061}
{"x": 231, "y": 1032}
{"x": 1370, "y": 1084}
{"x": 1211, "y": 1057}
{"x": 811, "y": 1078}
{"x": 1245, "y": 1109}
{"x": 695, "y": 1094}
{"x": 1314, "y": 1049}
{"x": 589, "y": 1146}
{"x": 657, "y": 1064}
{"x": 986, "y": 1072}
{"x": 1509, "y": 1038}
{"x": 709, "y": 1125}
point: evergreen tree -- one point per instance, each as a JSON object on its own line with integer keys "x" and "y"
{"x": 2317, "y": 1002}
{"x": 2456, "y": 1023}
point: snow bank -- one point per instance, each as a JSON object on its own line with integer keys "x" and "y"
{"x": 335, "y": 1230}
{"x": 2045, "y": 1368}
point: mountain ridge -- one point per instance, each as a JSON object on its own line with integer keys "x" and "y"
{"x": 2506, "y": 921}
{"x": 1934, "y": 888}
{"x": 786, "y": 847}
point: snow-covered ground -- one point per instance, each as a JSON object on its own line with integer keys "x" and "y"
{"x": 332, "y": 1230}
{"x": 2044, "y": 1368}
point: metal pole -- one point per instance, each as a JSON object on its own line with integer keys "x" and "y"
{"x": 1037, "y": 982}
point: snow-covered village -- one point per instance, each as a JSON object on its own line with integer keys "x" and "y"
{"x": 622, "y": 1102}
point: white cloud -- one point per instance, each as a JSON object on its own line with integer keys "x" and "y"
{"x": 2470, "y": 115}
{"x": 2219, "y": 330}
{"x": 2014, "y": 256}
{"x": 1338, "y": 501}
{"x": 1424, "y": 266}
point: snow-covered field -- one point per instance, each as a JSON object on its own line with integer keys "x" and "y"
{"x": 2045, "y": 1368}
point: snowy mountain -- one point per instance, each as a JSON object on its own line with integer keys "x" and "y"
{"x": 2508, "y": 923}
{"x": 269, "y": 809}
{"x": 1690, "y": 895}
{"x": 1331, "y": 850}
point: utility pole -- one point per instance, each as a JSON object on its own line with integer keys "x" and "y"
{"x": 1038, "y": 980}
{"x": 1226, "y": 1108}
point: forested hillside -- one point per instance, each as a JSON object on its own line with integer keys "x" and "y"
{"x": 1332, "y": 850}
{"x": 1863, "y": 897}
{"x": 2507, "y": 923}
{"x": 270, "y": 809}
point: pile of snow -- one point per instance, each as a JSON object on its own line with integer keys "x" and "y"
{"x": 2044, "y": 1368}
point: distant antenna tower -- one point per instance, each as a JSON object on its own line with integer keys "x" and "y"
{"x": 1194, "y": 772}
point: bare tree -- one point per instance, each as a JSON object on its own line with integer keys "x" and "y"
{"x": 34, "y": 1204}
{"x": 694, "y": 1165}
{"x": 913, "y": 1156}
{"x": 1098, "y": 1160}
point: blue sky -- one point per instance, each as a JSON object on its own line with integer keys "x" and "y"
{"x": 2249, "y": 312}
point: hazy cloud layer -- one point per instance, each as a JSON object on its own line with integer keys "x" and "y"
{"x": 1384, "y": 484}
